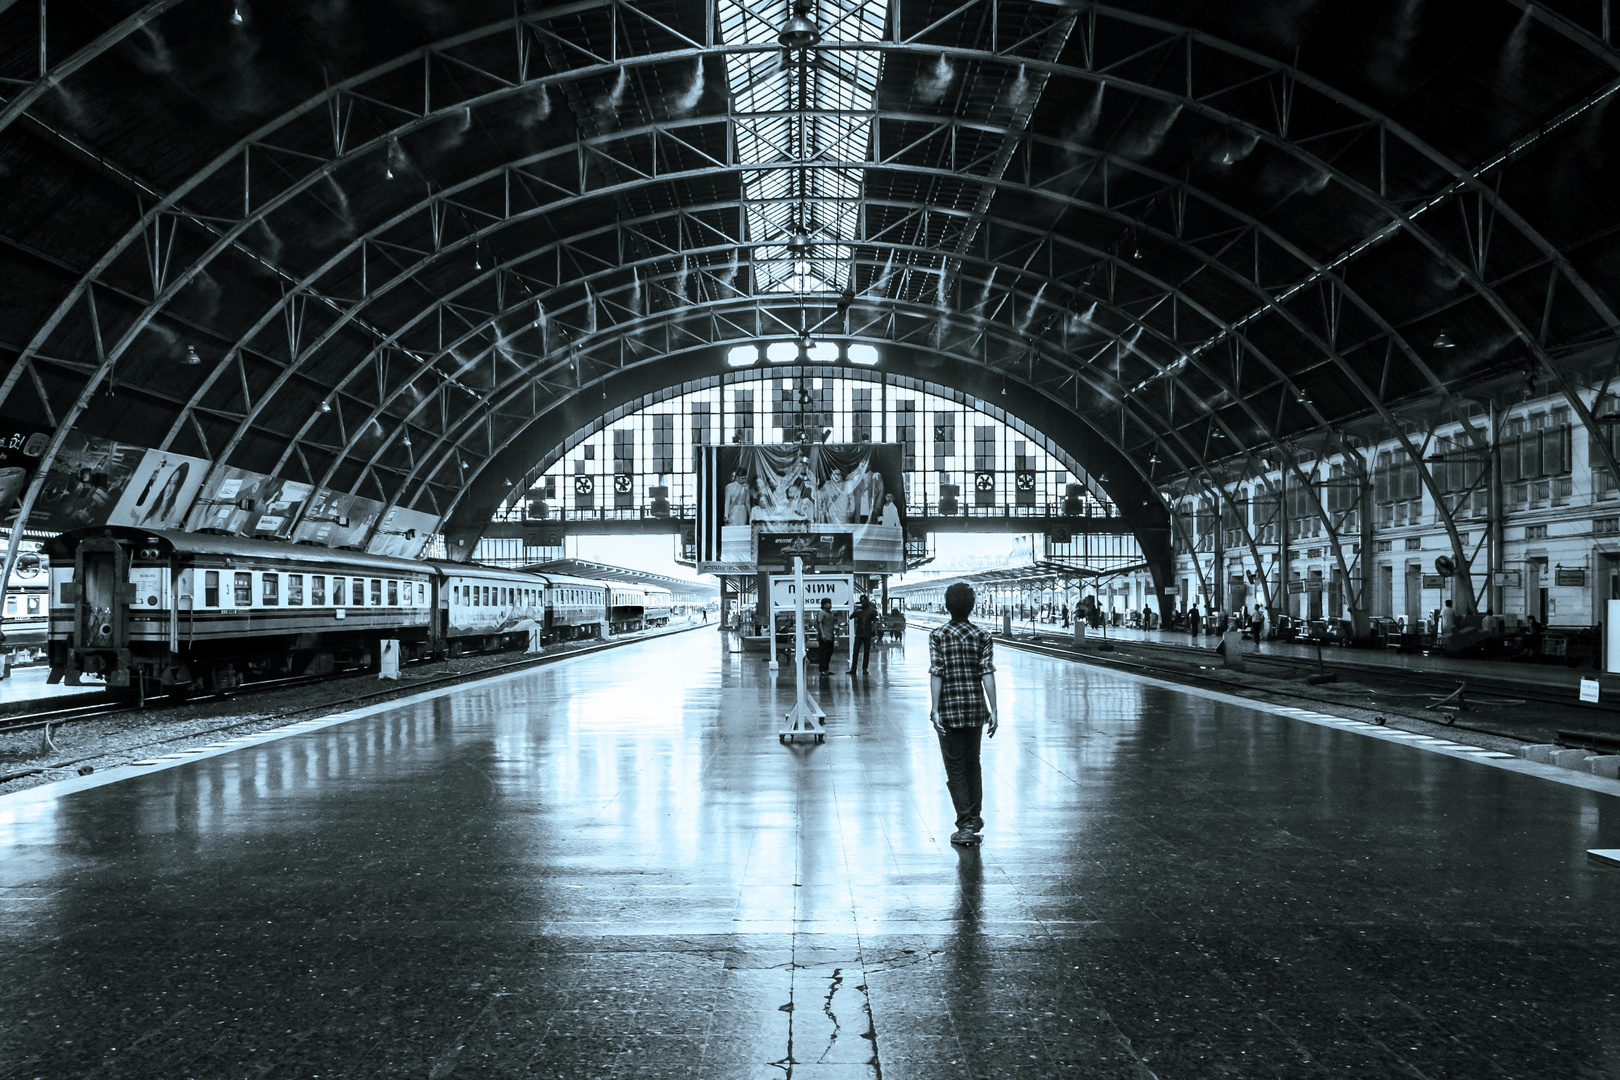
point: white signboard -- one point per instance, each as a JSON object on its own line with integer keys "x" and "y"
{"x": 148, "y": 582}
{"x": 1589, "y": 690}
{"x": 839, "y": 588}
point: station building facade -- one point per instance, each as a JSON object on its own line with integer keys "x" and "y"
{"x": 1521, "y": 498}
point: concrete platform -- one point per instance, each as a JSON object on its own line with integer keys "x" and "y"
{"x": 28, "y": 684}
{"x": 609, "y": 868}
{"x": 1530, "y": 675}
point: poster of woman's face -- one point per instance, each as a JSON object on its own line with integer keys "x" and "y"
{"x": 160, "y": 491}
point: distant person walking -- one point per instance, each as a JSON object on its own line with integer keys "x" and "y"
{"x": 826, "y": 628}
{"x": 862, "y": 623}
{"x": 962, "y": 705}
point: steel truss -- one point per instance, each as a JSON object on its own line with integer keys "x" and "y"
{"x": 218, "y": 209}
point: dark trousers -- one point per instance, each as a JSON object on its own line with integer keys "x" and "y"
{"x": 862, "y": 653}
{"x": 960, "y": 749}
{"x": 824, "y": 656}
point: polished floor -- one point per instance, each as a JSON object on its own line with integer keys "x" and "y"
{"x": 609, "y": 868}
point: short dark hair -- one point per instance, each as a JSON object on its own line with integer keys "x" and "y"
{"x": 959, "y": 600}
{"x": 826, "y": 601}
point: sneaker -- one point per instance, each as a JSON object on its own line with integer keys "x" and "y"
{"x": 965, "y": 837}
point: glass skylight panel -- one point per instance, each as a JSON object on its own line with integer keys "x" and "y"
{"x": 830, "y": 130}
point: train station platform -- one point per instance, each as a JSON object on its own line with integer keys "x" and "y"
{"x": 609, "y": 867}
{"x": 1529, "y": 674}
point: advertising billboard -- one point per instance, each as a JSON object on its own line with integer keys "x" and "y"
{"x": 843, "y": 503}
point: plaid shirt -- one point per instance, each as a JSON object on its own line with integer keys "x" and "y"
{"x": 959, "y": 653}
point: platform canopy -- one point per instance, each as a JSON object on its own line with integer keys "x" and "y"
{"x": 397, "y": 251}
{"x": 684, "y": 590}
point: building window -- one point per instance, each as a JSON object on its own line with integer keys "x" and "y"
{"x": 1414, "y": 543}
{"x": 860, "y": 417}
{"x": 1606, "y": 526}
{"x": 1535, "y": 532}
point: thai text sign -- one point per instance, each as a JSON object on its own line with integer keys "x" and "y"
{"x": 839, "y": 588}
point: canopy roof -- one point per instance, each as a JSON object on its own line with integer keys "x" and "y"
{"x": 393, "y": 249}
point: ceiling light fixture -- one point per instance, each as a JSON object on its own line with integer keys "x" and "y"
{"x": 192, "y": 359}
{"x": 800, "y": 31}
{"x": 1443, "y": 340}
{"x": 799, "y": 243}
{"x": 236, "y": 16}
{"x": 326, "y": 406}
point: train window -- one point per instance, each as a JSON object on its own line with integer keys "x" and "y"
{"x": 376, "y": 592}
{"x": 211, "y": 588}
{"x": 295, "y": 589}
{"x": 242, "y": 590}
{"x": 357, "y": 592}
{"x": 337, "y": 592}
{"x": 393, "y": 594}
{"x": 317, "y": 590}
{"x": 466, "y": 595}
{"x": 486, "y": 596}
{"x": 11, "y": 605}
{"x": 33, "y": 605}
{"x": 421, "y": 593}
{"x": 270, "y": 589}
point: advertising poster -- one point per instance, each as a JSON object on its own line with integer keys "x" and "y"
{"x": 22, "y": 444}
{"x": 85, "y": 483}
{"x": 404, "y": 533}
{"x": 160, "y": 491}
{"x": 230, "y": 500}
{"x": 850, "y": 496}
{"x": 337, "y": 519}
{"x": 282, "y": 501}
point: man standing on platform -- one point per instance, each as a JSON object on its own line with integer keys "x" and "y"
{"x": 861, "y": 625}
{"x": 962, "y": 704}
{"x": 826, "y": 629}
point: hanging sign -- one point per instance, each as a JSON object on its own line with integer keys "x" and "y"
{"x": 1508, "y": 579}
{"x": 1433, "y": 581}
{"x": 839, "y": 588}
{"x": 1570, "y": 576}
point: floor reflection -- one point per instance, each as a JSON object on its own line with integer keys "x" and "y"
{"x": 610, "y": 867}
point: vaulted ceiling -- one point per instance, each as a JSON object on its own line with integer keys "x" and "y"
{"x": 394, "y": 248}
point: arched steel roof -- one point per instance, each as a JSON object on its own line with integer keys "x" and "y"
{"x": 1199, "y": 240}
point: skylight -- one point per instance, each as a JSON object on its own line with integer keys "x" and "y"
{"x": 790, "y": 115}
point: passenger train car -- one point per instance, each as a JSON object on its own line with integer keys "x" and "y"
{"x": 160, "y": 611}
{"x": 24, "y": 622}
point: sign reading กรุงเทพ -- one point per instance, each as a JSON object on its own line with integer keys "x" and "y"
{"x": 839, "y": 588}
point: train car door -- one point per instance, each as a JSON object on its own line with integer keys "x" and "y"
{"x": 439, "y": 619}
{"x": 102, "y": 594}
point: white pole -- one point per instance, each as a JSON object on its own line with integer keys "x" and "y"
{"x": 770, "y": 615}
{"x": 798, "y": 627}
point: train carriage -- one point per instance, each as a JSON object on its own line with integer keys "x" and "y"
{"x": 27, "y": 598}
{"x": 163, "y": 611}
{"x": 659, "y": 605}
{"x": 482, "y": 608}
{"x": 627, "y": 608}
{"x": 575, "y": 607}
